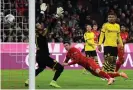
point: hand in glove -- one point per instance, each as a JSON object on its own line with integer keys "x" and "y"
{"x": 59, "y": 12}
{"x": 43, "y": 7}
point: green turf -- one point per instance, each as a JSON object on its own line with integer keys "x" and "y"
{"x": 70, "y": 79}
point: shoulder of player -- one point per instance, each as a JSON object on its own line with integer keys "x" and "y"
{"x": 105, "y": 24}
{"x": 117, "y": 24}
{"x": 93, "y": 32}
{"x": 72, "y": 48}
{"x": 86, "y": 33}
{"x": 108, "y": 24}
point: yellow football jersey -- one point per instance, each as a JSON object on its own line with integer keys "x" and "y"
{"x": 111, "y": 33}
{"x": 89, "y": 41}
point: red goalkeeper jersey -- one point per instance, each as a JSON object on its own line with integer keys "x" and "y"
{"x": 78, "y": 58}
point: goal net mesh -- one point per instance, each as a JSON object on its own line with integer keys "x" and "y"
{"x": 14, "y": 44}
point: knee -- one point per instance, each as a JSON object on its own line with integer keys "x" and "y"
{"x": 111, "y": 59}
{"x": 98, "y": 70}
{"x": 59, "y": 68}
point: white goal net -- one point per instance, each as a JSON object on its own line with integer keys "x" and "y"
{"x": 14, "y": 44}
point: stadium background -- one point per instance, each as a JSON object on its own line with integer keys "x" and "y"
{"x": 77, "y": 14}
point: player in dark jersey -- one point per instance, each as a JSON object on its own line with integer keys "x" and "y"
{"x": 42, "y": 54}
{"x": 88, "y": 63}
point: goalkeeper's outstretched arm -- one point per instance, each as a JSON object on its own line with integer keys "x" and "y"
{"x": 43, "y": 8}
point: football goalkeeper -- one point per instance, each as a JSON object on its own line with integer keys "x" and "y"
{"x": 42, "y": 54}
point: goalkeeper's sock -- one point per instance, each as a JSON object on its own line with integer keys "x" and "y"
{"x": 118, "y": 65}
{"x": 58, "y": 71}
{"x": 57, "y": 74}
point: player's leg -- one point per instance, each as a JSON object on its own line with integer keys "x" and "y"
{"x": 58, "y": 68}
{"x": 118, "y": 65}
{"x": 41, "y": 63}
{"x": 41, "y": 67}
{"x": 111, "y": 74}
{"x": 120, "y": 60}
{"x": 92, "y": 72}
{"x": 116, "y": 74}
{"x": 110, "y": 54}
{"x": 94, "y": 55}
{"x": 112, "y": 63}
{"x": 96, "y": 68}
{"x": 103, "y": 74}
{"x": 90, "y": 54}
{"x": 84, "y": 71}
{"x": 106, "y": 64}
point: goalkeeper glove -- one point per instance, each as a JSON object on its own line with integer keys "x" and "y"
{"x": 59, "y": 12}
{"x": 43, "y": 7}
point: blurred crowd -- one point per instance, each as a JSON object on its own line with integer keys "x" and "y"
{"x": 77, "y": 13}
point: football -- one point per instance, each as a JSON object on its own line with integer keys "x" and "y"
{"x": 9, "y": 19}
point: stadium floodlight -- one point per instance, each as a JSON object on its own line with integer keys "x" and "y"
{"x": 32, "y": 44}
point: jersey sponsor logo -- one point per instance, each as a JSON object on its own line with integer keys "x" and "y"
{"x": 112, "y": 31}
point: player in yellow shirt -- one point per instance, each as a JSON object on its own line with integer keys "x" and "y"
{"x": 110, "y": 37}
{"x": 90, "y": 46}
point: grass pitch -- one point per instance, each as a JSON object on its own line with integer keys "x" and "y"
{"x": 70, "y": 79}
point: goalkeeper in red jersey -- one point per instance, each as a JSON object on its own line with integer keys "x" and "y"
{"x": 88, "y": 63}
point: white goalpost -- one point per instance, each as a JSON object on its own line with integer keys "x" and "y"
{"x": 32, "y": 44}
